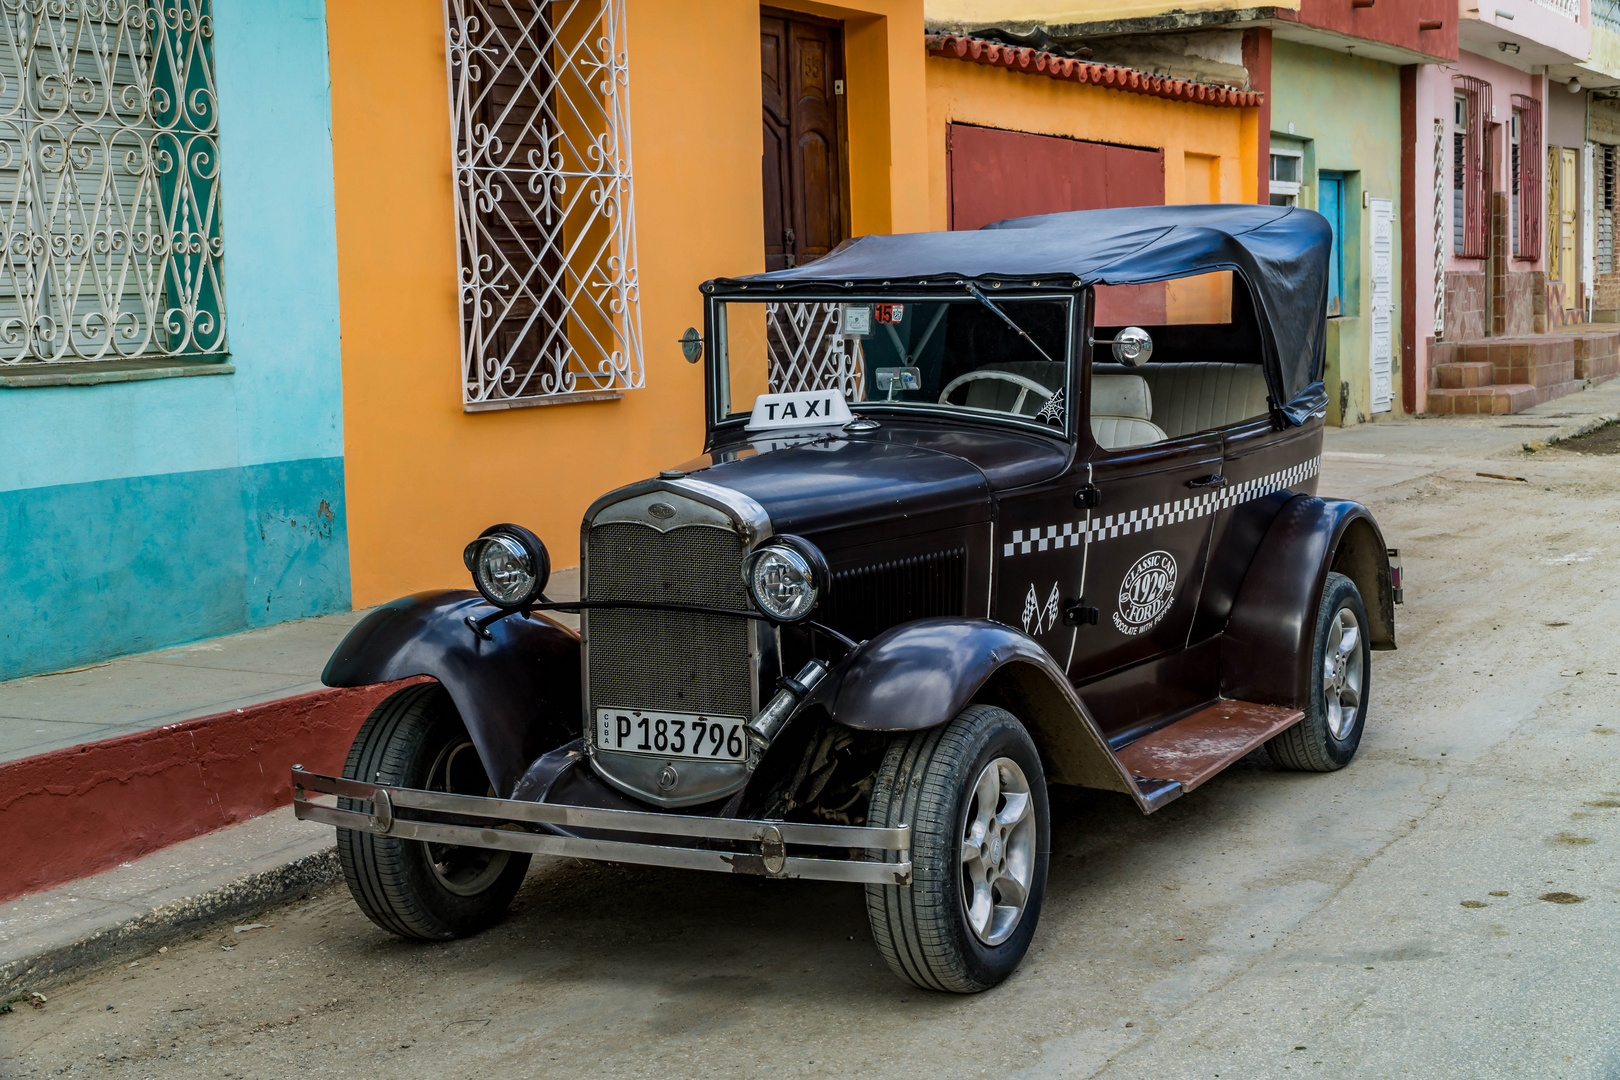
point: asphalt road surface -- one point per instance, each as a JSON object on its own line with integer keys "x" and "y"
{"x": 1448, "y": 906}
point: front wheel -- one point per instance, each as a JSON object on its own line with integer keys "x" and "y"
{"x": 429, "y": 892}
{"x": 1341, "y": 661}
{"x": 975, "y": 797}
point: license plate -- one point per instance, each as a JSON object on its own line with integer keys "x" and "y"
{"x": 682, "y": 735}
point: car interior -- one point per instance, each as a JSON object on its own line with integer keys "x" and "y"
{"x": 1201, "y": 376}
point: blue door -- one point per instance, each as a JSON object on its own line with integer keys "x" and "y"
{"x": 1330, "y": 200}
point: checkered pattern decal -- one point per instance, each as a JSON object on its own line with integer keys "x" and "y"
{"x": 1106, "y": 527}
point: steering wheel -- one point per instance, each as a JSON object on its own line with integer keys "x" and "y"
{"x": 1024, "y": 385}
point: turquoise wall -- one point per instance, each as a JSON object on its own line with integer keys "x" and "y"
{"x": 1346, "y": 117}
{"x": 138, "y": 515}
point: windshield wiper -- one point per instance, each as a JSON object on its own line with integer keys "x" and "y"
{"x": 1002, "y": 315}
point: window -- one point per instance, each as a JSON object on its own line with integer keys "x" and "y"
{"x": 1471, "y": 108}
{"x": 1525, "y": 179}
{"x": 1605, "y": 208}
{"x": 110, "y": 204}
{"x": 1330, "y": 201}
{"x": 545, "y": 212}
{"x": 1286, "y": 168}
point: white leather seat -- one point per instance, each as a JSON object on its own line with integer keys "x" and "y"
{"x": 1121, "y": 408}
{"x": 1199, "y": 396}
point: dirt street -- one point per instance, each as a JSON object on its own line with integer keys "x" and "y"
{"x": 1448, "y": 906}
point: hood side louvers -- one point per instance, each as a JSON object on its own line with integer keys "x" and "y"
{"x": 867, "y": 600}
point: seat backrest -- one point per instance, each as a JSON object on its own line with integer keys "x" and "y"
{"x": 1198, "y": 396}
{"x": 998, "y": 394}
{"x": 1121, "y": 406}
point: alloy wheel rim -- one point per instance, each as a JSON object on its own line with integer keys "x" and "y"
{"x": 465, "y": 871}
{"x": 1343, "y": 676}
{"x": 998, "y": 851}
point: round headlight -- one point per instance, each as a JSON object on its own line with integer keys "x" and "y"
{"x": 509, "y": 565}
{"x": 786, "y": 578}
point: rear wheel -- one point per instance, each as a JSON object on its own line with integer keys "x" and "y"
{"x": 416, "y": 739}
{"x": 975, "y": 797}
{"x": 1341, "y": 660}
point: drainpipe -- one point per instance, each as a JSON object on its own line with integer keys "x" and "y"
{"x": 1257, "y": 61}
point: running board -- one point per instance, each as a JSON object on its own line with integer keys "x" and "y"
{"x": 1181, "y": 756}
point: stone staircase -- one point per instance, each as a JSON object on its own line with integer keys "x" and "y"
{"x": 1510, "y": 374}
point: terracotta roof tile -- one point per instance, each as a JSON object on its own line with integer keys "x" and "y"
{"x": 1128, "y": 80}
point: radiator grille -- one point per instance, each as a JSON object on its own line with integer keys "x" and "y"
{"x": 866, "y": 600}
{"x": 668, "y": 660}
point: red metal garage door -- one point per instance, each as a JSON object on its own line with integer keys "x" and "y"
{"x": 1000, "y": 174}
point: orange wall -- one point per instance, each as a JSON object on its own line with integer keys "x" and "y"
{"x": 423, "y": 477}
{"x": 1190, "y": 135}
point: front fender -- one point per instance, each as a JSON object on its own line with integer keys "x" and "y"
{"x": 922, "y": 674}
{"x": 518, "y": 692}
{"x": 1266, "y": 650}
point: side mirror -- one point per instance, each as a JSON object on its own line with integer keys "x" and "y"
{"x": 692, "y": 345}
{"x": 1133, "y": 346}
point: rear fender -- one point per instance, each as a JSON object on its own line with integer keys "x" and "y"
{"x": 1266, "y": 650}
{"x": 922, "y": 674}
{"x": 517, "y": 692}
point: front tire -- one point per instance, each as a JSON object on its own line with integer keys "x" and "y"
{"x": 975, "y": 797}
{"x": 1341, "y": 661}
{"x": 427, "y": 892}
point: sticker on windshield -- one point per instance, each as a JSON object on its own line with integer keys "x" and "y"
{"x": 1146, "y": 593}
{"x": 855, "y": 320}
{"x": 803, "y": 408}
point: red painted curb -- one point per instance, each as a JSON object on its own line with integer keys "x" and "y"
{"x": 83, "y": 809}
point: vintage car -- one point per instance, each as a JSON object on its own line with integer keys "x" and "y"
{"x": 979, "y": 512}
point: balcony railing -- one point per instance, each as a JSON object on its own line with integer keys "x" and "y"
{"x": 1606, "y": 13}
{"x": 1570, "y": 9}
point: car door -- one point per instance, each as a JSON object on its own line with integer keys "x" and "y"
{"x": 1147, "y": 543}
{"x": 1040, "y": 559}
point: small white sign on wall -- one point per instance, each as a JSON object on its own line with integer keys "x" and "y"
{"x": 800, "y": 409}
{"x": 1381, "y": 324}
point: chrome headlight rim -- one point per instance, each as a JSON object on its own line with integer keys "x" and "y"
{"x": 515, "y": 540}
{"x": 807, "y": 559}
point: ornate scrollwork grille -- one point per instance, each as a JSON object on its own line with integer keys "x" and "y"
{"x": 109, "y": 181}
{"x": 806, "y": 351}
{"x": 545, "y": 212}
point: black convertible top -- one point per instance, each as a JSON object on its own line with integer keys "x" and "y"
{"x": 1280, "y": 252}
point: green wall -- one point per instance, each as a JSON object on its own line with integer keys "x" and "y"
{"x": 1346, "y": 113}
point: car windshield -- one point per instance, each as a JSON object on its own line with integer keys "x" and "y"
{"x": 956, "y": 354}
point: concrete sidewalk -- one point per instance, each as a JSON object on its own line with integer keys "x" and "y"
{"x": 227, "y": 873}
{"x": 136, "y": 693}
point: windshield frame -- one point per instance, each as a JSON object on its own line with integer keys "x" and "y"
{"x": 830, "y": 293}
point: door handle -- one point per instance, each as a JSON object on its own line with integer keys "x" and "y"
{"x": 1213, "y": 480}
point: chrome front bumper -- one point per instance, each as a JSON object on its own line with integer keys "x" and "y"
{"x": 758, "y": 847}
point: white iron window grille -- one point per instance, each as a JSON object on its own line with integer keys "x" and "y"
{"x": 807, "y": 352}
{"x": 545, "y": 211}
{"x": 109, "y": 181}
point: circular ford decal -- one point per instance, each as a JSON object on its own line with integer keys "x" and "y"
{"x": 1146, "y": 592}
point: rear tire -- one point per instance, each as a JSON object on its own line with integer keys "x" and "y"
{"x": 1341, "y": 663}
{"x": 428, "y": 892}
{"x": 975, "y": 797}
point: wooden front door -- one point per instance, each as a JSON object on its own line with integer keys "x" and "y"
{"x": 1568, "y": 222}
{"x": 802, "y": 71}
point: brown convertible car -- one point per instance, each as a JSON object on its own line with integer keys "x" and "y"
{"x": 979, "y": 512}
